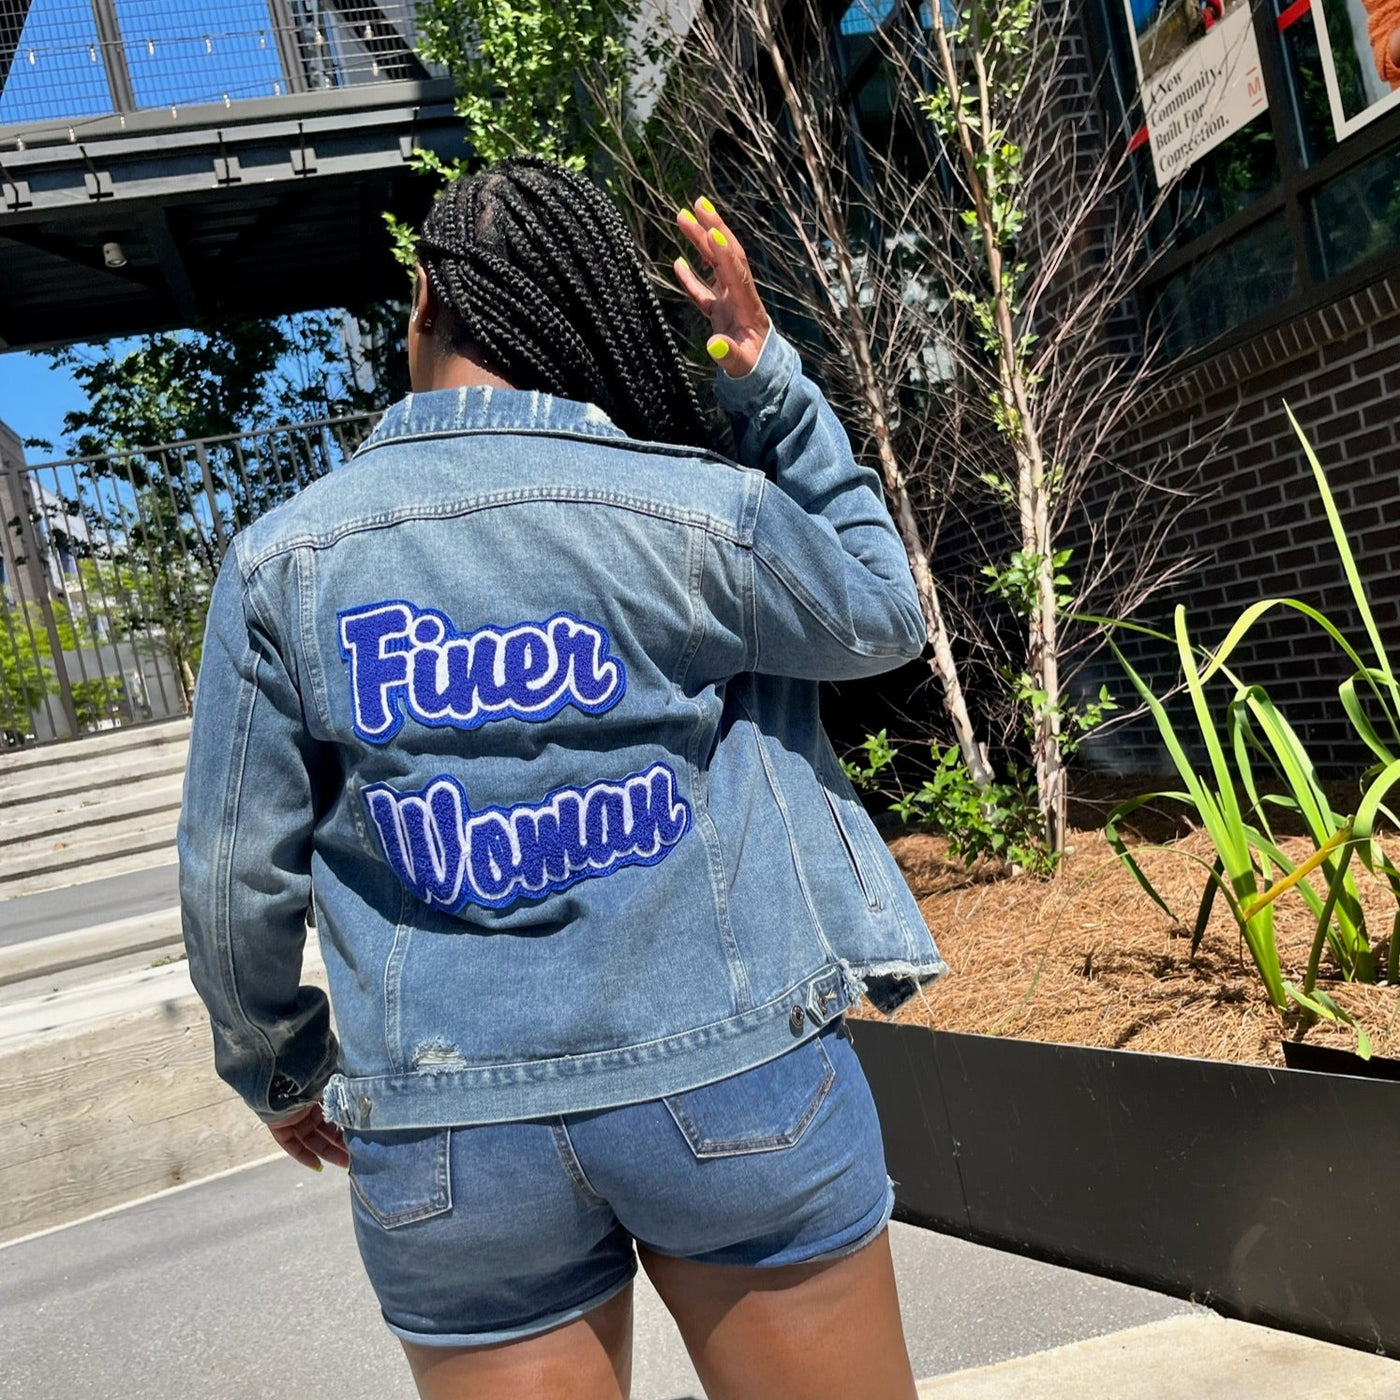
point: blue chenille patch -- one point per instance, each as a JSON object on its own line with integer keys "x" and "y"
{"x": 410, "y": 662}
{"x": 449, "y": 856}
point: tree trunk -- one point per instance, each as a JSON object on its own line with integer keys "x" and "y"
{"x": 942, "y": 663}
{"x": 1042, "y": 641}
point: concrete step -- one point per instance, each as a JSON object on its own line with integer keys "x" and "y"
{"x": 94, "y": 948}
{"x": 108, "y": 1093}
{"x": 107, "y": 742}
{"x": 104, "y": 771}
{"x": 88, "y": 811}
{"x": 34, "y": 855}
{"x": 120, "y": 859}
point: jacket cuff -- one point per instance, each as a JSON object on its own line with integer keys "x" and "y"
{"x": 764, "y": 383}
{"x": 286, "y": 1098}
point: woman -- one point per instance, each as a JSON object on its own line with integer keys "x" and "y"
{"x": 524, "y": 701}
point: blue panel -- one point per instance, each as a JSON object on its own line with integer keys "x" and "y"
{"x": 199, "y": 51}
{"x": 57, "y": 71}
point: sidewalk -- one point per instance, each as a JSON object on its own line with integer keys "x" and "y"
{"x": 249, "y": 1286}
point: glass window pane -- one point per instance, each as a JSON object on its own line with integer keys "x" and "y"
{"x": 52, "y": 68}
{"x": 1232, "y": 285}
{"x": 1357, "y": 215}
{"x": 1222, "y": 182}
{"x": 1303, "y": 62}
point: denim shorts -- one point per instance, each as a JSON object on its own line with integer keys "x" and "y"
{"x": 479, "y": 1235}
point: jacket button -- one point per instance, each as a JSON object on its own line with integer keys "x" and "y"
{"x": 795, "y": 1020}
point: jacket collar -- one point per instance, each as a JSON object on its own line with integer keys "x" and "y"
{"x": 447, "y": 411}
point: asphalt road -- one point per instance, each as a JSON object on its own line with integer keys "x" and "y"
{"x": 250, "y": 1286}
{"x": 86, "y": 906}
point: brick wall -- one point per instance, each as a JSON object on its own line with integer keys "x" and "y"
{"x": 1263, "y": 531}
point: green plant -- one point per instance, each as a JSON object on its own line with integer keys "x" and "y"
{"x": 1251, "y": 871}
{"x": 999, "y": 820}
{"x": 528, "y": 75}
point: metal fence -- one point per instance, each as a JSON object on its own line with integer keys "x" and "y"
{"x": 63, "y": 61}
{"x": 107, "y": 564}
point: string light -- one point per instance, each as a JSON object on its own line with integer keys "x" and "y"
{"x": 151, "y": 47}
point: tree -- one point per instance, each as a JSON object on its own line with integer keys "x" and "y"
{"x": 958, "y": 268}
{"x": 957, "y": 245}
{"x": 145, "y": 526}
{"x": 23, "y": 679}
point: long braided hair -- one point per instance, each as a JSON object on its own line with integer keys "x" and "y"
{"x": 548, "y": 287}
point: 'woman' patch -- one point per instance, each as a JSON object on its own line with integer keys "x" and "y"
{"x": 449, "y": 856}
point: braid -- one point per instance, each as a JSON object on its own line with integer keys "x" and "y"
{"x": 545, "y": 281}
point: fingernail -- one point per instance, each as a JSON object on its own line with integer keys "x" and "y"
{"x": 681, "y": 262}
{"x": 688, "y": 217}
{"x": 319, "y": 1167}
{"x": 719, "y": 238}
{"x": 704, "y": 205}
{"x": 718, "y": 349}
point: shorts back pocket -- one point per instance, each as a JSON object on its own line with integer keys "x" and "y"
{"x": 764, "y": 1109}
{"x": 400, "y": 1177}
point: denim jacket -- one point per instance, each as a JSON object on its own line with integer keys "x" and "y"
{"x": 525, "y": 711}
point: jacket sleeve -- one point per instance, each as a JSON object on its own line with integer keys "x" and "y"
{"x": 245, "y": 851}
{"x": 833, "y": 597}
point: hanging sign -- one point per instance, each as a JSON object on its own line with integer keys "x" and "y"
{"x": 1359, "y": 43}
{"x": 1199, "y": 75}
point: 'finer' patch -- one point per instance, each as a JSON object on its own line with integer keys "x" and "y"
{"x": 449, "y": 856}
{"x": 410, "y": 661}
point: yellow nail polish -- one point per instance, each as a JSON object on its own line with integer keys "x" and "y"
{"x": 688, "y": 217}
{"x": 704, "y": 205}
{"x": 718, "y": 349}
{"x": 720, "y": 240}
{"x": 319, "y": 1167}
{"x": 683, "y": 263}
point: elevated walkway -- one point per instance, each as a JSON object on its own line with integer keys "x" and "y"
{"x": 162, "y": 164}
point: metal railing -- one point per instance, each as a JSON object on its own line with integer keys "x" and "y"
{"x": 107, "y": 564}
{"x": 66, "y": 61}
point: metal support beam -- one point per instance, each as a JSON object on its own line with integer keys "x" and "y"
{"x": 109, "y": 35}
{"x": 288, "y": 45}
{"x": 155, "y": 224}
{"x": 74, "y": 252}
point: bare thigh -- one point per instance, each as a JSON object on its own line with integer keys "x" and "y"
{"x": 825, "y": 1331}
{"x": 588, "y": 1359}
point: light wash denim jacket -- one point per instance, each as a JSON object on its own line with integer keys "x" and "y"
{"x": 526, "y": 710}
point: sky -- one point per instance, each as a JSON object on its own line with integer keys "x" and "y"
{"x": 34, "y": 396}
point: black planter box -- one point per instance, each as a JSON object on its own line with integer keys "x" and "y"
{"x": 1272, "y": 1195}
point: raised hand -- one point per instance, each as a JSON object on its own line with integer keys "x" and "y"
{"x": 731, "y": 302}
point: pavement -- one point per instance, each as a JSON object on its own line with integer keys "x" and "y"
{"x": 249, "y": 1285}
{"x": 82, "y": 906}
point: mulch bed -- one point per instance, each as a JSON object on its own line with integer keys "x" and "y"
{"x": 1086, "y": 958}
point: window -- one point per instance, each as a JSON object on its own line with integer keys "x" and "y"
{"x": 1281, "y": 209}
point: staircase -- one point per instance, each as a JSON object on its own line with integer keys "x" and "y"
{"x": 99, "y": 806}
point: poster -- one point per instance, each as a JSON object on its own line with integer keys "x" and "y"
{"x": 1359, "y": 41}
{"x": 1198, "y": 72}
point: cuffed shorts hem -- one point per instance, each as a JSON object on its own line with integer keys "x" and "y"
{"x": 522, "y": 1332}
{"x": 851, "y": 1240}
